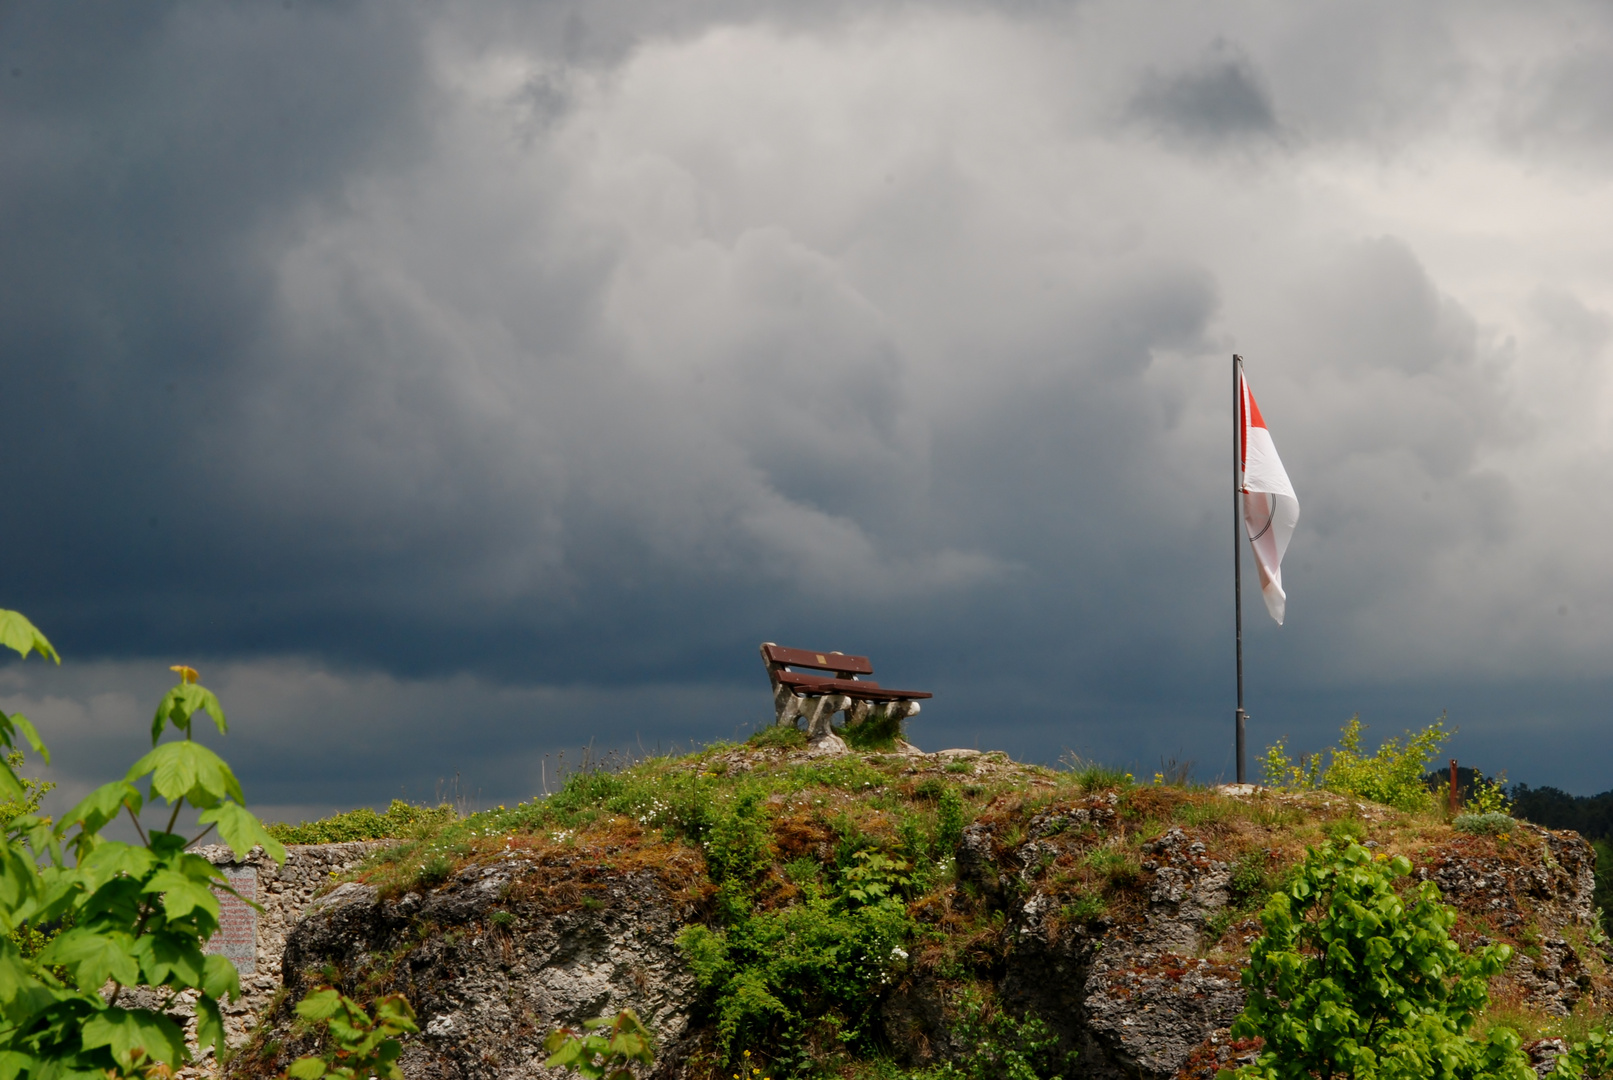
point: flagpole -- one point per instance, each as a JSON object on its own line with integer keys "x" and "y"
{"x": 1237, "y": 541}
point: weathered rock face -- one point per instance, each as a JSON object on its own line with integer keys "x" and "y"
{"x": 1539, "y": 893}
{"x": 1133, "y": 996}
{"x": 497, "y": 956}
{"x": 1145, "y": 995}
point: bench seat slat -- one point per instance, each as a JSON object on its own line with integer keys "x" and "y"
{"x": 855, "y": 688}
{"x": 853, "y": 665}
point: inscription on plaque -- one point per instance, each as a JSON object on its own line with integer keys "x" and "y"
{"x": 237, "y": 937}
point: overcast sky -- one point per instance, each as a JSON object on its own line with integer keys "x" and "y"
{"x": 457, "y": 383}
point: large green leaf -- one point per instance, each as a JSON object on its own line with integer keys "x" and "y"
{"x": 114, "y": 859}
{"x": 181, "y": 895}
{"x": 15, "y": 1063}
{"x": 320, "y": 1005}
{"x": 101, "y": 806}
{"x": 14, "y": 974}
{"x": 19, "y": 877}
{"x": 209, "y": 1023}
{"x": 180, "y": 705}
{"x": 187, "y": 770}
{"x": 170, "y": 955}
{"x": 123, "y": 1032}
{"x": 94, "y": 956}
{"x": 242, "y": 830}
{"x": 16, "y": 632}
{"x": 219, "y": 978}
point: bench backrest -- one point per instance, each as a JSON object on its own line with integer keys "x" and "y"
{"x": 804, "y": 658}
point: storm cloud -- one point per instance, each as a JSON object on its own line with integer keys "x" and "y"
{"x": 457, "y": 383}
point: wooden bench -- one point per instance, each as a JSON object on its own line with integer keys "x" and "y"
{"x": 798, "y": 694}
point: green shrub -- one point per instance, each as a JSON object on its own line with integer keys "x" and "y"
{"x": 950, "y": 821}
{"x": 1393, "y": 775}
{"x": 1602, "y": 896}
{"x": 1483, "y": 824}
{"x": 401, "y": 821}
{"x": 1084, "y": 909}
{"x": 875, "y": 733}
{"x": 1488, "y": 797}
{"x": 1590, "y": 1057}
{"x": 779, "y": 737}
{"x": 434, "y": 871}
{"x": 366, "y": 1042}
{"x": 874, "y": 877}
{"x": 605, "y": 1049}
{"x": 1351, "y": 979}
{"x": 1279, "y": 772}
{"x": 1092, "y": 776}
{"x": 810, "y": 972}
{"x": 1001, "y": 1046}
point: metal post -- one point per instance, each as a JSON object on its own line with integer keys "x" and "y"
{"x": 1453, "y": 787}
{"x": 1237, "y": 541}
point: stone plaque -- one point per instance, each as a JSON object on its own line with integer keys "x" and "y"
{"x": 237, "y": 937}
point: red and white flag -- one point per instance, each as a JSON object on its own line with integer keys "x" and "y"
{"x": 1270, "y": 508}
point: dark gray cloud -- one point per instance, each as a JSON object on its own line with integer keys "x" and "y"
{"x": 462, "y": 383}
{"x": 1219, "y": 98}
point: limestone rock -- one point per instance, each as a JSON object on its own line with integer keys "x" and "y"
{"x": 496, "y": 956}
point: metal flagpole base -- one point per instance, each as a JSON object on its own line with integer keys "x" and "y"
{"x": 1242, "y": 716}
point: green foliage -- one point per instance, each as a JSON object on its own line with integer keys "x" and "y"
{"x": 1491, "y": 824}
{"x": 817, "y": 964}
{"x": 950, "y": 822}
{"x": 1602, "y": 895}
{"x": 605, "y": 1049}
{"x": 365, "y": 1045}
{"x": 1279, "y": 772}
{"x": 1588, "y": 1058}
{"x": 1092, "y": 776}
{"x": 1393, "y": 775}
{"x": 771, "y": 976}
{"x": 1084, "y": 908}
{"x": 737, "y": 843}
{"x": 33, "y": 792}
{"x": 401, "y": 821}
{"x": 18, "y": 634}
{"x": 778, "y": 737}
{"x": 874, "y": 877}
{"x": 874, "y": 733}
{"x": 1488, "y": 797}
{"x": 1001, "y": 1046}
{"x": 435, "y": 870}
{"x": 119, "y": 915}
{"x": 737, "y": 849}
{"x": 1255, "y": 876}
{"x": 1352, "y": 979}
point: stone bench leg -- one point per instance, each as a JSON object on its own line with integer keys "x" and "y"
{"x": 860, "y": 712}
{"x": 786, "y": 706}
{"x": 818, "y": 711}
{"x": 820, "y": 718}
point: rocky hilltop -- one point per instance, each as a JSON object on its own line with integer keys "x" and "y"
{"x": 886, "y": 911}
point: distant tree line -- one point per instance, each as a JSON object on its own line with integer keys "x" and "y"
{"x": 1589, "y": 815}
